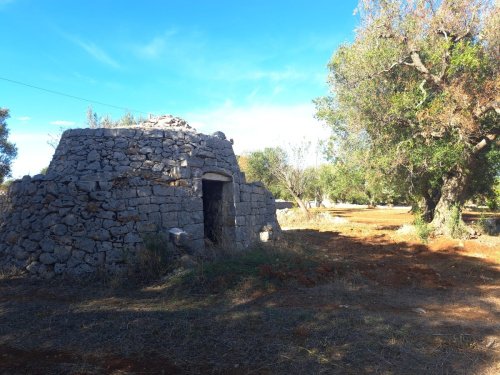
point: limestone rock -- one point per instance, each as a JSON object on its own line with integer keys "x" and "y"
{"x": 47, "y": 258}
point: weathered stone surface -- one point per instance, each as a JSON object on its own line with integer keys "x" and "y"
{"x": 62, "y": 253}
{"x": 59, "y": 268}
{"x": 59, "y": 229}
{"x": 106, "y": 189}
{"x": 85, "y": 244}
{"x": 20, "y": 254}
{"x": 47, "y": 258}
{"x": 81, "y": 269}
{"x": 115, "y": 256}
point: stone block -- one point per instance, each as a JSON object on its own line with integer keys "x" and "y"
{"x": 197, "y": 217}
{"x": 115, "y": 256}
{"x": 47, "y": 245}
{"x": 132, "y": 238}
{"x": 162, "y": 190}
{"x": 87, "y": 186}
{"x": 100, "y": 234}
{"x": 20, "y": 253}
{"x": 196, "y": 231}
{"x": 118, "y": 231}
{"x": 47, "y": 258}
{"x": 144, "y": 191}
{"x": 62, "y": 253}
{"x": 59, "y": 268}
{"x": 85, "y": 244}
{"x": 81, "y": 269}
{"x": 95, "y": 259}
{"x": 145, "y": 227}
{"x": 59, "y": 229}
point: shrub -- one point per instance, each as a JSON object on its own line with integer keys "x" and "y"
{"x": 422, "y": 228}
{"x": 456, "y": 226}
{"x": 155, "y": 258}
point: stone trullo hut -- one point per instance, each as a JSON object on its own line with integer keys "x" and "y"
{"x": 106, "y": 189}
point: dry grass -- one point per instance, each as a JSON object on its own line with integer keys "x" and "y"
{"x": 346, "y": 298}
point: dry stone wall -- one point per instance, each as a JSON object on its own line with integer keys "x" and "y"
{"x": 106, "y": 189}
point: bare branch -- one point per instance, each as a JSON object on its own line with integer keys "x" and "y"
{"x": 419, "y": 65}
{"x": 391, "y": 67}
{"x": 443, "y": 32}
{"x": 421, "y": 87}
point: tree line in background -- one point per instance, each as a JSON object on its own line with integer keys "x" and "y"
{"x": 353, "y": 179}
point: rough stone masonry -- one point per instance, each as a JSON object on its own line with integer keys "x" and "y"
{"x": 106, "y": 189}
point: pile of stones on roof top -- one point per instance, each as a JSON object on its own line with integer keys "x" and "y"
{"x": 165, "y": 121}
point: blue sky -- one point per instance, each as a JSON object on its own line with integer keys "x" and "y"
{"x": 248, "y": 68}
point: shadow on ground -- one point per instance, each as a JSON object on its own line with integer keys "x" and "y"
{"x": 369, "y": 306}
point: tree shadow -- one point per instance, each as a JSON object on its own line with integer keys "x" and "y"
{"x": 374, "y": 307}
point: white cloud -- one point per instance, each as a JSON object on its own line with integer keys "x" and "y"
{"x": 62, "y": 123}
{"x": 152, "y": 49}
{"x": 93, "y": 50}
{"x": 156, "y": 46}
{"x": 256, "y": 127}
{"x": 33, "y": 153}
{"x": 23, "y": 118}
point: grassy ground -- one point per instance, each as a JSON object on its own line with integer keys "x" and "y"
{"x": 332, "y": 297}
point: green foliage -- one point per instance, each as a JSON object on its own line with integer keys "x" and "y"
{"x": 257, "y": 167}
{"x": 417, "y": 86}
{"x": 456, "y": 226}
{"x": 355, "y": 176}
{"x": 260, "y": 265}
{"x": 482, "y": 224}
{"x": 156, "y": 257}
{"x": 465, "y": 56}
{"x": 8, "y": 150}
{"x": 5, "y": 185}
{"x": 493, "y": 200}
{"x": 485, "y": 179}
{"x": 283, "y": 173}
{"x": 423, "y": 229}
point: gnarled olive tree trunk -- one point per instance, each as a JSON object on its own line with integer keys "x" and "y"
{"x": 453, "y": 195}
{"x": 455, "y": 189}
{"x": 428, "y": 204}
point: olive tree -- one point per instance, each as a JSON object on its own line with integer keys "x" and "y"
{"x": 282, "y": 171}
{"x": 8, "y": 150}
{"x": 421, "y": 80}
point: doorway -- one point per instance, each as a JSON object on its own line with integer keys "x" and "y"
{"x": 218, "y": 208}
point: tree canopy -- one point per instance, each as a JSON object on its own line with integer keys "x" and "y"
{"x": 8, "y": 150}
{"x": 283, "y": 173}
{"x": 420, "y": 82}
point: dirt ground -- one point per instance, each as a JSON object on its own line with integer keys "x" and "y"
{"x": 349, "y": 296}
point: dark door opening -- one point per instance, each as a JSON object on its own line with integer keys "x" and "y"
{"x": 213, "y": 210}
